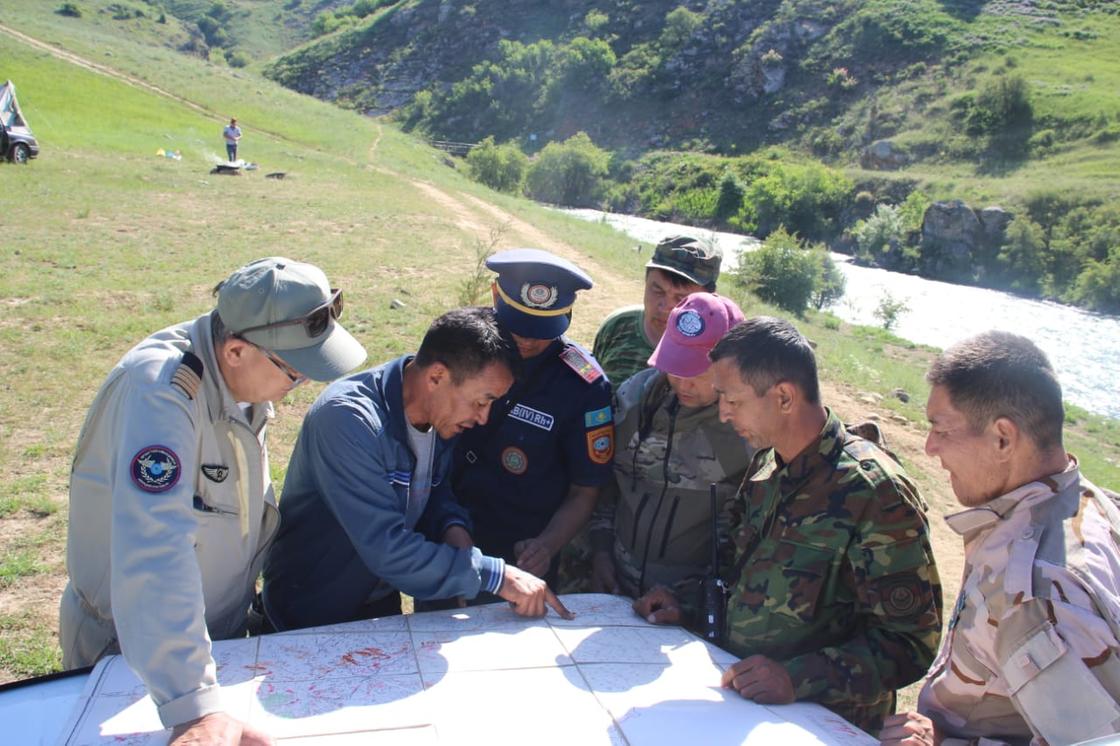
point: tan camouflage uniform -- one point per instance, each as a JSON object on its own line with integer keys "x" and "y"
{"x": 655, "y": 515}
{"x": 1032, "y": 649}
{"x": 834, "y": 574}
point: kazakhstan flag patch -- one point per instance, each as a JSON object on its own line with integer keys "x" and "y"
{"x": 597, "y": 418}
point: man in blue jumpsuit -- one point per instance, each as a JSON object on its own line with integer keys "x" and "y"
{"x": 531, "y": 475}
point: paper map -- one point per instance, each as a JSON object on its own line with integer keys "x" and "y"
{"x": 480, "y": 675}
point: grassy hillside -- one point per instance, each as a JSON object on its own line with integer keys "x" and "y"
{"x": 103, "y": 241}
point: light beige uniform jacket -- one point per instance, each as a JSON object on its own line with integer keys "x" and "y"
{"x": 1033, "y": 647}
{"x": 171, "y": 507}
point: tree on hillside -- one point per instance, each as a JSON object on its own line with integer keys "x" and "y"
{"x": 805, "y": 197}
{"x": 730, "y": 199}
{"x": 570, "y": 173}
{"x": 680, "y": 24}
{"x": 832, "y": 283}
{"x": 1098, "y": 285}
{"x": 1021, "y": 259}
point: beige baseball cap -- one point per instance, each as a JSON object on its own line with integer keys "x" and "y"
{"x": 289, "y": 308}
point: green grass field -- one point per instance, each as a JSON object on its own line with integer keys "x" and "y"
{"x": 102, "y": 242}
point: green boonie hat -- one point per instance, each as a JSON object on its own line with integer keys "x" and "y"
{"x": 689, "y": 258}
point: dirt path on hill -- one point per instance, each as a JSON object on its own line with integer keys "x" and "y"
{"x": 478, "y": 217}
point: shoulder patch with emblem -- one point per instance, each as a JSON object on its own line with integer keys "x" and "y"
{"x": 600, "y": 444}
{"x": 155, "y": 468}
{"x": 215, "y": 472}
{"x": 188, "y": 376}
{"x": 582, "y": 363}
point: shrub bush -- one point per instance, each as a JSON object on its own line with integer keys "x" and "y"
{"x": 782, "y": 271}
{"x": 570, "y": 173}
{"x": 1002, "y": 103}
{"x": 730, "y": 199}
{"x": 832, "y": 282}
{"x": 890, "y": 310}
{"x": 237, "y": 58}
{"x": 807, "y": 198}
{"x": 881, "y": 235}
{"x": 70, "y": 10}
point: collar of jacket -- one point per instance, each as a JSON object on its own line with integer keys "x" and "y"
{"x": 391, "y": 387}
{"x": 219, "y": 400}
{"x": 822, "y": 453}
{"x": 1029, "y": 496}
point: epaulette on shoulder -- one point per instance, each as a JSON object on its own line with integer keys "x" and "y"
{"x": 580, "y": 360}
{"x": 188, "y": 375}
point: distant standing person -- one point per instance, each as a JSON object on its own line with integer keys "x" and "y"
{"x": 232, "y": 135}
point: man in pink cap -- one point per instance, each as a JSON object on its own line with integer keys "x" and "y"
{"x": 653, "y": 522}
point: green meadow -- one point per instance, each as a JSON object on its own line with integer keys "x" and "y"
{"x": 103, "y": 241}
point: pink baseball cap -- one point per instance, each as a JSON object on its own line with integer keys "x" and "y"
{"x": 694, "y": 327}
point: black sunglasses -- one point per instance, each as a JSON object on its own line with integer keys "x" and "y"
{"x": 315, "y": 322}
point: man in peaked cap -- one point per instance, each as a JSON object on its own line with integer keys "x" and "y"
{"x": 681, "y": 266}
{"x": 531, "y": 475}
{"x": 171, "y": 506}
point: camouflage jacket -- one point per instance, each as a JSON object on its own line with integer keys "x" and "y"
{"x": 834, "y": 574}
{"x": 1033, "y": 647}
{"x": 621, "y": 346}
{"x": 655, "y": 515}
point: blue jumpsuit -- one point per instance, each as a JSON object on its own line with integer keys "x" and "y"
{"x": 554, "y": 428}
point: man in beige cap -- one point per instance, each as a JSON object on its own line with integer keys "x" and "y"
{"x": 171, "y": 505}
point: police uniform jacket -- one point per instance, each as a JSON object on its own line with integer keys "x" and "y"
{"x": 344, "y": 539}
{"x": 553, "y": 429}
{"x": 1033, "y": 648}
{"x": 171, "y": 507}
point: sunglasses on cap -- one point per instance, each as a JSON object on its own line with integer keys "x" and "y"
{"x": 315, "y": 322}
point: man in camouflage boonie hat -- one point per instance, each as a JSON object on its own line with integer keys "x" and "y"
{"x": 681, "y": 266}
{"x": 834, "y": 594}
{"x": 1032, "y": 652}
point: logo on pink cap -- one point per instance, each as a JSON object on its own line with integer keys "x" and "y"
{"x": 690, "y": 324}
{"x": 694, "y": 327}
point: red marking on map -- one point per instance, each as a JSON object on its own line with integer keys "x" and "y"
{"x": 375, "y": 654}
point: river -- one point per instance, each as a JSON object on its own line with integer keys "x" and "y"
{"x": 1083, "y": 346}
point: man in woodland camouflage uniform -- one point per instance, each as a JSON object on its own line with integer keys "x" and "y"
{"x": 681, "y": 265}
{"x": 835, "y": 597}
{"x": 1032, "y": 654}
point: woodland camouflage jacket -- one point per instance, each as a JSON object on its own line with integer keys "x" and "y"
{"x": 834, "y": 574}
